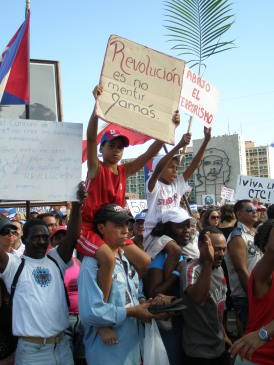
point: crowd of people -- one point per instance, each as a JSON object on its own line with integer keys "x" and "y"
{"x": 82, "y": 291}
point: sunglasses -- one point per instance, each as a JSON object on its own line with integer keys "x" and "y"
{"x": 6, "y": 232}
{"x": 249, "y": 209}
{"x": 214, "y": 217}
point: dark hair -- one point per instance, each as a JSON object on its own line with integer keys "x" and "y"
{"x": 162, "y": 229}
{"x": 32, "y": 223}
{"x": 262, "y": 235}
{"x": 210, "y": 229}
{"x": 44, "y": 215}
{"x": 270, "y": 211}
{"x": 240, "y": 204}
{"x": 205, "y": 219}
{"x": 227, "y": 213}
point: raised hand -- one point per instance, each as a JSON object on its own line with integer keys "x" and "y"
{"x": 97, "y": 91}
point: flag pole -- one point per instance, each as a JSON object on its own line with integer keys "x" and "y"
{"x": 27, "y": 107}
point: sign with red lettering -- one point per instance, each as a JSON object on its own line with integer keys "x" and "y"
{"x": 199, "y": 98}
{"x": 227, "y": 193}
{"x": 250, "y": 187}
{"x": 141, "y": 88}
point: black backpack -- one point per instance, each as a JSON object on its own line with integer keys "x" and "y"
{"x": 18, "y": 273}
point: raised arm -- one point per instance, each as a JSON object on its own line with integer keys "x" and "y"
{"x": 237, "y": 252}
{"x": 198, "y": 292}
{"x": 197, "y": 159}
{"x": 134, "y": 166}
{"x": 263, "y": 271}
{"x": 163, "y": 163}
{"x": 66, "y": 246}
{"x": 92, "y": 159}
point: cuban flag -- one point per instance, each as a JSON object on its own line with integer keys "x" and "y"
{"x": 14, "y": 68}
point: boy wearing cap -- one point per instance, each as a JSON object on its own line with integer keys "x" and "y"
{"x": 164, "y": 191}
{"x": 122, "y": 310}
{"x": 106, "y": 183}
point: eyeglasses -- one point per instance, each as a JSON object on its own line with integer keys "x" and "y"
{"x": 214, "y": 217}
{"x": 6, "y": 232}
{"x": 249, "y": 209}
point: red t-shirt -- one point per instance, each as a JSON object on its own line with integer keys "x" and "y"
{"x": 261, "y": 312}
{"x": 104, "y": 188}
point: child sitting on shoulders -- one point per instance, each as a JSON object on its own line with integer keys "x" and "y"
{"x": 164, "y": 191}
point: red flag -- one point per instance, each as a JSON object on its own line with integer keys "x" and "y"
{"x": 14, "y": 66}
{"x": 134, "y": 137}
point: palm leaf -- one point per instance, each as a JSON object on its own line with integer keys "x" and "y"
{"x": 196, "y": 28}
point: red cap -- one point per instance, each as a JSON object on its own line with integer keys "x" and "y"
{"x": 112, "y": 134}
{"x": 58, "y": 229}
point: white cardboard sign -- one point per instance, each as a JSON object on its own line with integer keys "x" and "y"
{"x": 227, "y": 193}
{"x": 249, "y": 187}
{"x": 141, "y": 88}
{"x": 40, "y": 160}
{"x": 199, "y": 98}
{"x": 136, "y": 206}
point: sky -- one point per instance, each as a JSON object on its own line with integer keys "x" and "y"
{"x": 76, "y": 34}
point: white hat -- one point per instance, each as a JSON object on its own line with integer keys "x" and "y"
{"x": 158, "y": 158}
{"x": 176, "y": 215}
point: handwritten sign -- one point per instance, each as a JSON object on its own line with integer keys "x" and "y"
{"x": 141, "y": 88}
{"x": 199, "y": 98}
{"x": 136, "y": 206}
{"x": 227, "y": 193}
{"x": 40, "y": 160}
{"x": 250, "y": 187}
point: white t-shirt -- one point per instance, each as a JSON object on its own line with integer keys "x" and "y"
{"x": 39, "y": 303}
{"x": 162, "y": 198}
{"x": 20, "y": 250}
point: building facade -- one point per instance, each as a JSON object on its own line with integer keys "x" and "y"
{"x": 259, "y": 160}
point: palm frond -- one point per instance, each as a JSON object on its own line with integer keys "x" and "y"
{"x": 196, "y": 27}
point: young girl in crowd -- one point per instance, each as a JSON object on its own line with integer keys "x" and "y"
{"x": 164, "y": 191}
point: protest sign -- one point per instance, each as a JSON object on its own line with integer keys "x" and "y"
{"x": 136, "y": 206}
{"x": 227, "y": 193}
{"x": 250, "y": 187}
{"x": 40, "y": 160}
{"x": 141, "y": 88}
{"x": 199, "y": 98}
{"x": 208, "y": 199}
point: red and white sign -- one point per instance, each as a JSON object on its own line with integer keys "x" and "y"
{"x": 227, "y": 193}
{"x": 199, "y": 98}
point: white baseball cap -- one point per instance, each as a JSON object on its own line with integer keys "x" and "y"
{"x": 158, "y": 158}
{"x": 176, "y": 215}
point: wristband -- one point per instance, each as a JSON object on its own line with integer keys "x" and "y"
{"x": 174, "y": 272}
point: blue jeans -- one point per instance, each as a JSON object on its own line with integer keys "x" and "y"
{"x": 74, "y": 335}
{"x": 238, "y": 361}
{"x": 173, "y": 341}
{"x": 28, "y": 353}
{"x": 240, "y": 305}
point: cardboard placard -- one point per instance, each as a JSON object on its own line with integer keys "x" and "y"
{"x": 40, "y": 160}
{"x": 136, "y": 206}
{"x": 199, "y": 98}
{"x": 141, "y": 88}
{"x": 250, "y": 187}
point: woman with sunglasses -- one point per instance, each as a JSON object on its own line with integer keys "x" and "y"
{"x": 210, "y": 218}
{"x": 8, "y": 342}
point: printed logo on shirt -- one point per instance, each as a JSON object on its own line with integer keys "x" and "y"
{"x": 167, "y": 201}
{"x": 42, "y": 276}
{"x": 252, "y": 249}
